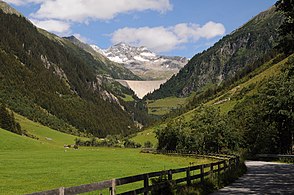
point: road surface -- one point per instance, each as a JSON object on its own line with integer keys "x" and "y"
{"x": 263, "y": 178}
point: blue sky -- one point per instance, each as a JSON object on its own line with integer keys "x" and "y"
{"x": 169, "y": 27}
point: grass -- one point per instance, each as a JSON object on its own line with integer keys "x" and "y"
{"x": 12, "y": 142}
{"x": 45, "y": 134}
{"x": 128, "y": 98}
{"x": 29, "y": 165}
{"x": 147, "y": 135}
{"x": 164, "y": 106}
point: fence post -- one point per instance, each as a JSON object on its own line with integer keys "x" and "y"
{"x": 188, "y": 176}
{"x": 146, "y": 183}
{"x": 211, "y": 168}
{"x": 170, "y": 175}
{"x": 202, "y": 174}
{"x": 218, "y": 169}
{"x": 237, "y": 161}
{"x": 112, "y": 188}
{"x": 61, "y": 191}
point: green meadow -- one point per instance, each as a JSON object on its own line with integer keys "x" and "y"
{"x": 30, "y": 165}
{"x": 164, "y": 106}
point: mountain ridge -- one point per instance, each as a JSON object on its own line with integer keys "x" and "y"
{"x": 244, "y": 49}
{"x": 50, "y": 80}
{"x": 118, "y": 71}
{"x": 8, "y": 9}
{"x": 143, "y": 62}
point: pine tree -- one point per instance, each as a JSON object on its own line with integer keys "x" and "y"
{"x": 286, "y": 30}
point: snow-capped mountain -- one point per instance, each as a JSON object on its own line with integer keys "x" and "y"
{"x": 144, "y": 62}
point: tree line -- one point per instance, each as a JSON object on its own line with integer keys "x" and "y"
{"x": 7, "y": 120}
{"x": 262, "y": 123}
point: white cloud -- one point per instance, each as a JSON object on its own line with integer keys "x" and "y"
{"x": 161, "y": 39}
{"x": 55, "y": 26}
{"x": 84, "y": 10}
{"x": 57, "y": 15}
{"x": 158, "y": 38}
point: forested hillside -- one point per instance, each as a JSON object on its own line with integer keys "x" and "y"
{"x": 228, "y": 60}
{"x": 259, "y": 118}
{"x": 50, "y": 80}
{"x": 253, "y": 114}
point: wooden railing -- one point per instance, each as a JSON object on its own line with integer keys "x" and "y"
{"x": 191, "y": 173}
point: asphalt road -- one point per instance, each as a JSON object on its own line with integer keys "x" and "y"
{"x": 263, "y": 178}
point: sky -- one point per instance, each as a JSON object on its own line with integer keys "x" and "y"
{"x": 167, "y": 27}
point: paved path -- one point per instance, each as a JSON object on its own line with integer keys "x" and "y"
{"x": 263, "y": 178}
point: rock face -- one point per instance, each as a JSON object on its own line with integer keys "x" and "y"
{"x": 237, "y": 53}
{"x": 143, "y": 62}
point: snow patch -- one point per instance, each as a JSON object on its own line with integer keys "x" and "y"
{"x": 116, "y": 59}
{"x": 139, "y": 58}
{"x": 148, "y": 54}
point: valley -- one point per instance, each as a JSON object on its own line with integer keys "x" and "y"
{"x": 72, "y": 113}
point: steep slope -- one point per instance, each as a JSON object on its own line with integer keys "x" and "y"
{"x": 50, "y": 80}
{"x": 12, "y": 142}
{"x": 232, "y": 57}
{"x": 116, "y": 70}
{"x": 144, "y": 62}
{"x": 226, "y": 100}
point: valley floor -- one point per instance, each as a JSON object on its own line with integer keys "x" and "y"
{"x": 29, "y": 165}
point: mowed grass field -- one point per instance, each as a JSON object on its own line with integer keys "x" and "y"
{"x": 29, "y": 165}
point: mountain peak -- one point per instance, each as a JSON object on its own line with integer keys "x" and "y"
{"x": 8, "y": 9}
{"x": 143, "y": 62}
{"x": 72, "y": 37}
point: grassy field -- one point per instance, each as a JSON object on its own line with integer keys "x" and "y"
{"x": 45, "y": 134}
{"x": 29, "y": 165}
{"x": 147, "y": 135}
{"x": 164, "y": 106}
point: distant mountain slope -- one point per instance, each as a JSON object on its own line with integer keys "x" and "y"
{"x": 7, "y": 9}
{"x": 48, "y": 79}
{"x": 144, "y": 62}
{"x": 237, "y": 53}
{"x": 242, "y": 90}
{"x": 116, "y": 70}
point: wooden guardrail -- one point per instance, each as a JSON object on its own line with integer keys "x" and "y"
{"x": 191, "y": 173}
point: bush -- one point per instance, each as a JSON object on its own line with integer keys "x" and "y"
{"x": 148, "y": 144}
